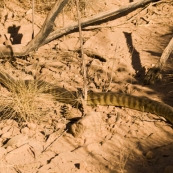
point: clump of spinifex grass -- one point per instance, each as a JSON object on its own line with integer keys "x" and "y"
{"x": 84, "y": 5}
{"x": 23, "y": 98}
{"x": 86, "y": 8}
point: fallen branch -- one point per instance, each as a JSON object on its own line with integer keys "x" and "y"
{"x": 104, "y": 16}
{"x": 44, "y": 36}
{"x": 39, "y": 38}
{"x": 47, "y": 27}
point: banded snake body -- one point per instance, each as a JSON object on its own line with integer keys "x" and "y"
{"x": 133, "y": 102}
{"x": 98, "y": 98}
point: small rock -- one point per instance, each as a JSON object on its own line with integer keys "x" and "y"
{"x": 150, "y": 155}
{"x": 25, "y": 130}
{"x": 32, "y": 126}
{"x": 21, "y": 155}
{"x": 29, "y": 12}
{"x": 111, "y": 120}
{"x": 39, "y": 136}
{"x": 6, "y": 135}
{"x": 89, "y": 126}
{"x": 32, "y": 69}
{"x": 7, "y": 65}
{"x": 60, "y": 126}
{"x": 10, "y": 15}
{"x": 83, "y": 165}
{"x": 36, "y": 146}
{"x": 28, "y": 77}
{"x": 17, "y": 140}
{"x": 11, "y": 122}
{"x": 45, "y": 71}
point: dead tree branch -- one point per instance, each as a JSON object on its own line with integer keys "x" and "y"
{"x": 154, "y": 73}
{"x": 47, "y": 27}
{"x": 104, "y": 16}
{"x": 40, "y": 37}
{"x": 166, "y": 53}
{"x": 44, "y": 36}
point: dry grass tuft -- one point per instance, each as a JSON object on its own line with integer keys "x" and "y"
{"x": 23, "y": 99}
{"x": 85, "y": 7}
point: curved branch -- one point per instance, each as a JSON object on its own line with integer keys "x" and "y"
{"x": 19, "y": 50}
{"x": 44, "y": 36}
{"x": 103, "y": 16}
{"x": 154, "y": 73}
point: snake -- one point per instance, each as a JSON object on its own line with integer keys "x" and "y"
{"x": 98, "y": 98}
{"x": 129, "y": 101}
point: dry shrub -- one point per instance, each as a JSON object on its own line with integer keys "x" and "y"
{"x": 23, "y": 100}
{"x": 86, "y": 7}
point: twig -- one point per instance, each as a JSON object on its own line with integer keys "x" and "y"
{"x": 32, "y": 19}
{"x": 83, "y": 59}
{"x": 54, "y": 141}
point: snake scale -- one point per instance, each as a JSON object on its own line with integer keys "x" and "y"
{"x": 98, "y": 98}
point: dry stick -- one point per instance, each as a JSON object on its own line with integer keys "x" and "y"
{"x": 153, "y": 74}
{"x": 40, "y": 38}
{"x": 166, "y": 53}
{"x": 54, "y": 141}
{"x": 84, "y": 102}
{"x": 111, "y": 26}
{"x": 47, "y": 27}
{"x": 114, "y": 13}
{"x": 32, "y": 19}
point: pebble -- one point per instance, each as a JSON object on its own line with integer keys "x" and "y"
{"x": 32, "y": 126}
{"x": 6, "y": 129}
{"x": 6, "y": 135}
{"x": 150, "y": 155}
{"x": 25, "y": 130}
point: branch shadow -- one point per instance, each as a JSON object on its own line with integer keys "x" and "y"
{"x": 136, "y": 62}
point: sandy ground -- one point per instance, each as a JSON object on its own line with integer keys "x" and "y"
{"x": 116, "y": 140}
